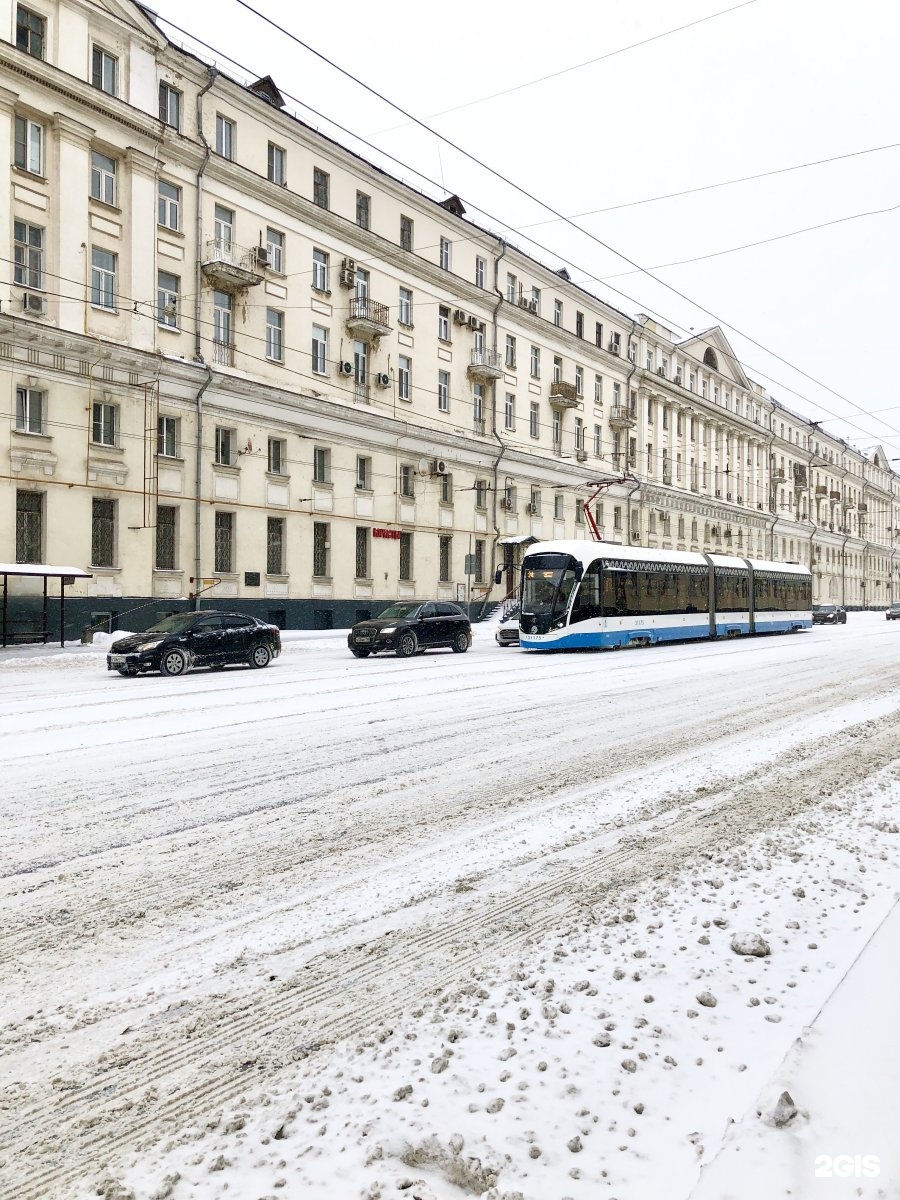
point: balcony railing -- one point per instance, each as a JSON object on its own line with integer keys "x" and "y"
{"x": 485, "y": 364}
{"x": 620, "y": 417}
{"x": 223, "y": 353}
{"x": 563, "y": 395}
{"x": 368, "y": 318}
{"x": 231, "y": 266}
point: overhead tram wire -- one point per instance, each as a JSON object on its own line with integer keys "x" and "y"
{"x": 548, "y": 207}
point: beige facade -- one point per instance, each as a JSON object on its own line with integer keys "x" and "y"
{"x": 234, "y": 351}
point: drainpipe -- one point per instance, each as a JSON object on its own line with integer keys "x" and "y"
{"x": 772, "y": 492}
{"x": 207, "y": 151}
{"x": 637, "y": 482}
{"x": 198, "y": 491}
{"x": 496, "y": 467}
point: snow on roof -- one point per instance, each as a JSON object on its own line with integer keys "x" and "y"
{"x": 42, "y": 569}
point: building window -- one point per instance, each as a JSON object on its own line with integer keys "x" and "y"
{"x": 557, "y": 369}
{"x": 480, "y": 271}
{"x": 510, "y": 358}
{"x": 28, "y": 254}
{"x": 274, "y": 335}
{"x": 362, "y": 552}
{"x": 363, "y": 473}
{"x": 579, "y": 512}
{"x": 103, "y": 533}
{"x": 167, "y": 291}
{"x": 535, "y": 362}
{"x": 598, "y": 441}
{"x": 579, "y": 324}
{"x": 275, "y": 250}
{"x": 103, "y": 278}
{"x": 443, "y": 391}
{"x": 104, "y": 71}
{"x": 407, "y": 485}
{"x": 534, "y": 419}
{"x": 363, "y": 210}
{"x": 406, "y": 557}
{"x": 559, "y": 507}
{"x": 321, "y": 465}
{"x": 404, "y": 309}
{"x": 579, "y": 381}
{"x": 479, "y": 560}
{"x": 320, "y": 271}
{"x": 536, "y": 300}
{"x": 617, "y": 518}
{"x": 444, "y": 323}
{"x": 404, "y": 377}
{"x": 558, "y": 313}
{"x": 29, "y": 148}
{"x": 535, "y": 502}
{"x": 31, "y": 32}
{"x": 445, "y": 254}
{"x": 226, "y": 445}
{"x": 445, "y": 558}
{"x": 29, "y": 527}
{"x": 598, "y": 389}
{"x": 321, "y": 548}
{"x": 512, "y": 287}
{"x": 169, "y": 106}
{"x": 275, "y": 545}
{"x": 321, "y": 181}
{"x": 277, "y": 461}
{"x": 224, "y": 137}
{"x": 406, "y": 233}
{"x": 319, "y": 349}
{"x": 168, "y": 211}
{"x": 104, "y": 424}
{"x": 446, "y": 488}
{"x": 276, "y": 165}
{"x": 509, "y": 411}
{"x": 481, "y": 490}
{"x": 222, "y": 314}
{"x": 167, "y": 437}
{"x": 224, "y": 542}
{"x": 166, "y": 537}
{"x": 103, "y": 178}
{"x": 478, "y": 407}
{"x": 30, "y": 410}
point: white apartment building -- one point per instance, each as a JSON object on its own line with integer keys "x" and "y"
{"x": 241, "y": 361}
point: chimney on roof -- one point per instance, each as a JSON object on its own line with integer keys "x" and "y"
{"x": 453, "y": 204}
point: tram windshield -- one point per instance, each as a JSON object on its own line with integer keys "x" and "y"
{"x": 547, "y": 582}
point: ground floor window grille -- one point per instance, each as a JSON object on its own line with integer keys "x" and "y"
{"x": 479, "y": 560}
{"x": 320, "y": 550}
{"x": 103, "y": 533}
{"x": 224, "y": 544}
{"x": 166, "y": 521}
{"x": 29, "y": 526}
{"x": 275, "y": 546}
{"x": 444, "y": 559}
{"x": 362, "y": 553}
{"x": 406, "y": 556}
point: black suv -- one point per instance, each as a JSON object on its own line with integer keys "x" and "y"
{"x": 828, "y": 614}
{"x": 893, "y": 613}
{"x": 408, "y": 629}
{"x": 196, "y": 639}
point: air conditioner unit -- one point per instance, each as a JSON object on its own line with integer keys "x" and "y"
{"x": 34, "y": 302}
{"x": 474, "y": 323}
{"x": 347, "y": 277}
{"x": 437, "y": 466}
{"x": 346, "y": 368}
{"x": 348, "y": 264}
{"x": 262, "y": 256}
{"x": 383, "y": 380}
{"x": 531, "y": 509}
{"x": 459, "y": 316}
{"x": 581, "y": 455}
{"x": 505, "y": 502}
{"x": 524, "y": 302}
{"x": 613, "y": 347}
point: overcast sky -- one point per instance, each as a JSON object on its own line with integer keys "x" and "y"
{"x": 748, "y": 87}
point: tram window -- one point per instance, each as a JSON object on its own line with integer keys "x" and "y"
{"x": 732, "y": 592}
{"x": 697, "y": 592}
{"x": 587, "y": 602}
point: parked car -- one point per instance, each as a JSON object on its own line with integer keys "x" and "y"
{"x": 893, "y": 611}
{"x": 829, "y": 614}
{"x": 408, "y": 629}
{"x": 196, "y": 639}
{"x": 507, "y": 631}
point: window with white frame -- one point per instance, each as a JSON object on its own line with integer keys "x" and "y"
{"x": 535, "y": 364}
{"x": 29, "y": 146}
{"x": 167, "y": 437}
{"x": 443, "y": 323}
{"x": 274, "y": 335}
{"x": 226, "y": 446}
{"x": 224, "y": 136}
{"x": 168, "y": 288}
{"x": 363, "y": 473}
{"x": 404, "y": 377}
{"x": 534, "y": 419}
{"x": 445, "y": 255}
{"x": 223, "y": 227}
{"x": 598, "y": 390}
{"x": 557, "y": 431}
{"x": 443, "y": 391}
{"x": 481, "y": 491}
{"x": 104, "y": 423}
{"x": 321, "y": 464}
{"x": 277, "y": 458}
{"x": 319, "y": 270}
{"x": 478, "y": 407}
{"x": 31, "y": 31}
{"x": 103, "y": 278}
{"x": 509, "y": 411}
{"x": 536, "y": 300}
{"x": 559, "y": 507}
{"x": 319, "y": 349}
{"x": 28, "y": 255}
{"x": 103, "y": 177}
{"x": 579, "y": 433}
{"x": 598, "y": 441}
{"x": 275, "y": 249}
{"x": 407, "y": 481}
{"x": 105, "y": 71}
{"x": 168, "y": 205}
{"x": 557, "y": 369}
{"x": 445, "y": 485}
{"x": 276, "y": 164}
{"x": 30, "y": 410}
{"x": 480, "y": 271}
{"x": 579, "y": 381}
{"x": 512, "y": 287}
{"x": 103, "y": 532}
{"x": 510, "y": 355}
{"x": 558, "y": 312}
{"x": 223, "y": 309}
{"x": 405, "y": 307}
{"x": 170, "y": 105}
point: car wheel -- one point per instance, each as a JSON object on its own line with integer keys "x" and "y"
{"x": 360, "y": 653}
{"x": 260, "y": 656}
{"x": 407, "y": 644}
{"x": 173, "y": 662}
{"x": 460, "y": 643}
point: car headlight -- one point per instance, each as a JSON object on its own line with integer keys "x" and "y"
{"x": 389, "y": 629}
{"x": 150, "y": 645}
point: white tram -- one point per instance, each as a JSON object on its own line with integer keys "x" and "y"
{"x": 577, "y": 595}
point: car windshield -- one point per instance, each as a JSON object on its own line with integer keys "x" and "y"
{"x": 399, "y": 612}
{"x": 177, "y": 623}
{"x": 824, "y": 608}
{"x": 547, "y": 581}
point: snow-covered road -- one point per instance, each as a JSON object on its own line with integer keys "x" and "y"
{"x": 209, "y": 882}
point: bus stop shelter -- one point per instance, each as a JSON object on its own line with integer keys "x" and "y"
{"x": 65, "y": 575}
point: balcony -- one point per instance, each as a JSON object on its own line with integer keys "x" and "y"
{"x": 833, "y": 495}
{"x": 485, "y": 365}
{"x": 862, "y": 507}
{"x": 848, "y": 503}
{"x": 821, "y": 489}
{"x": 223, "y": 353}
{"x": 621, "y": 417}
{"x": 368, "y": 318}
{"x": 232, "y": 267}
{"x": 563, "y": 395}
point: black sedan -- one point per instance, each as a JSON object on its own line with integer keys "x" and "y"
{"x": 196, "y": 639}
{"x": 829, "y": 614}
{"x": 408, "y": 629}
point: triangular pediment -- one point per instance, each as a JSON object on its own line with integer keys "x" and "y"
{"x": 880, "y": 458}
{"x": 712, "y": 347}
{"x": 266, "y": 90}
{"x": 136, "y": 14}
